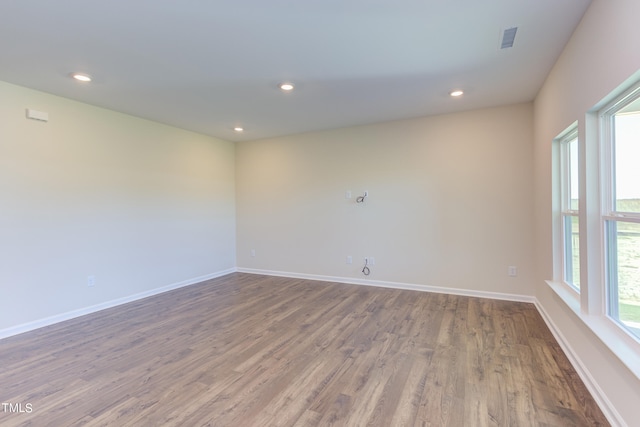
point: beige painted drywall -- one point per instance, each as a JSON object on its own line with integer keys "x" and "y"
{"x": 603, "y": 52}
{"x": 138, "y": 204}
{"x": 449, "y": 201}
{"x": 142, "y": 205}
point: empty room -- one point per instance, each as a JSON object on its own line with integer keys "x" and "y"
{"x": 313, "y": 213}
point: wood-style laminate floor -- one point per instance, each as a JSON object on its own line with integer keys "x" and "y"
{"x": 248, "y": 350}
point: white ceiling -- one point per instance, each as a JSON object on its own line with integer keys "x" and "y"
{"x": 209, "y": 65}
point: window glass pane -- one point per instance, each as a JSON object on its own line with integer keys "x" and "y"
{"x": 624, "y": 263}
{"x": 627, "y": 159}
{"x": 572, "y": 251}
{"x": 573, "y": 174}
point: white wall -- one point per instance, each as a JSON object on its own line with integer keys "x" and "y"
{"x": 141, "y": 205}
{"x": 449, "y": 206}
{"x": 603, "y": 52}
{"x": 138, "y": 204}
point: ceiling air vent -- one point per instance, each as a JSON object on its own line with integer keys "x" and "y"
{"x": 508, "y": 37}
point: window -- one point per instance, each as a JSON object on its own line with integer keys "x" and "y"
{"x": 596, "y": 226}
{"x": 620, "y": 123}
{"x": 569, "y": 217}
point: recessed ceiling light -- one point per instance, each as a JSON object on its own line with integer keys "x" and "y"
{"x": 238, "y": 129}
{"x": 287, "y": 87}
{"x": 81, "y": 77}
{"x": 456, "y": 93}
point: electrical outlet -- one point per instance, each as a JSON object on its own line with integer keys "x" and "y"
{"x": 253, "y": 252}
{"x": 512, "y": 271}
{"x": 349, "y": 259}
{"x": 91, "y": 280}
{"x": 369, "y": 260}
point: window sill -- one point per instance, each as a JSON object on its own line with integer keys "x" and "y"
{"x": 624, "y": 345}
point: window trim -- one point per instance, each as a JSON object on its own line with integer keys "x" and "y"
{"x": 564, "y": 151}
{"x": 591, "y": 305}
{"x": 610, "y": 217}
{"x": 619, "y": 340}
{"x": 607, "y": 139}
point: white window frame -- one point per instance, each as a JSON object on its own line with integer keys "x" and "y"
{"x": 566, "y": 211}
{"x": 610, "y": 216}
{"x": 590, "y": 305}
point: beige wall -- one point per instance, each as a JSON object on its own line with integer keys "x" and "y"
{"x": 138, "y": 204}
{"x": 449, "y": 201}
{"x": 603, "y": 52}
{"x": 141, "y": 205}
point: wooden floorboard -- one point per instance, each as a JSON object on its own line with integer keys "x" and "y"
{"x": 250, "y": 350}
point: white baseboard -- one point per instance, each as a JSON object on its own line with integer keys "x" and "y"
{"x": 30, "y": 326}
{"x": 394, "y": 285}
{"x": 599, "y": 396}
{"x": 609, "y": 411}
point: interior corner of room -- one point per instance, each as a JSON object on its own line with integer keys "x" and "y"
{"x": 99, "y": 208}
